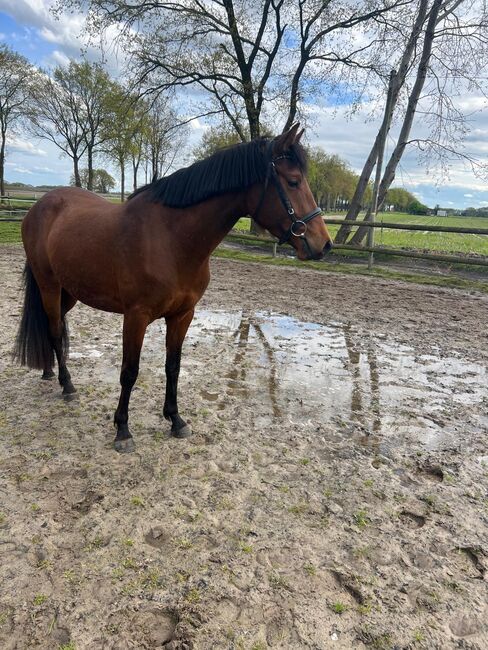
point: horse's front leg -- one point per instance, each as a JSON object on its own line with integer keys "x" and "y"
{"x": 176, "y": 329}
{"x": 135, "y": 324}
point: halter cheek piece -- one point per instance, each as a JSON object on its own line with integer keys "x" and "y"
{"x": 298, "y": 227}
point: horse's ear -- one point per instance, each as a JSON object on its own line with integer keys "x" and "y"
{"x": 284, "y": 141}
{"x": 299, "y": 136}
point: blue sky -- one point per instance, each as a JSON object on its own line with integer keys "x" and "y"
{"x": 28, "y": 27}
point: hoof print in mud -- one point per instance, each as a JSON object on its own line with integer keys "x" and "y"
{"x": 432, "y": 472}
{"x": 412, "y": 519}
{"x": 154, "y": 628}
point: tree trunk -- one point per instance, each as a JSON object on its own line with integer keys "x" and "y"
{"x": 76, "y": 171}
{"x": 2, "y": 165}
{"x": 363, "y": 181}
{"x": 373, "y": 208}
{"x": 413, "y": 99}
{"x": 89, "y": 185}
{"x": 122, "y": 182}
{"x": 135, "y": 169}
{"x": 253, "y": 119}
{"x": 396, "y": 86}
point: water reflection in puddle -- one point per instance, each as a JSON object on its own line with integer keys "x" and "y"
{"x": 308, "y": 374}
{"x": 316, "y": 372}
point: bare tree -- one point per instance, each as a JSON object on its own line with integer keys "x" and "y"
{"x": 122, "y": 129}
{"x": 70, "y": 109}
{"x": 15, "y": 72}
{"x": 56, "y": 114}
{"x": 244, "y": 58}
{"x": 447, "y": 46}
{"x": 93, "y": 87}
{"x": 165, "y": 136}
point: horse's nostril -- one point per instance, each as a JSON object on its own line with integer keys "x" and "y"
{"x": 328, "y": 246}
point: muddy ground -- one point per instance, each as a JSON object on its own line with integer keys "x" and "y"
{"x": 334, "y": 494}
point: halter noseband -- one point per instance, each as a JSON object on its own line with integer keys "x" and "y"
{"x": 298, "y": 227}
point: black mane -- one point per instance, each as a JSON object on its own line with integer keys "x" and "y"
{"x": 228, "y": 170}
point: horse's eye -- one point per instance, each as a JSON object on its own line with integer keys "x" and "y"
{"x": 293, "y": 183}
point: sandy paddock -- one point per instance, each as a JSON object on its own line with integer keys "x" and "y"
{"x": 334, "y": 494}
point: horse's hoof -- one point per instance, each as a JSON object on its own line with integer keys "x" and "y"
{"x": 184, "y": 432}
{"x": 68, "y": 388}
{"x": 47, "y": 375}
{"x": 70, "y": 397}
{"x": 124, "y": 446}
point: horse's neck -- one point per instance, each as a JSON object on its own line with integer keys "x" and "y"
{"x": 205, "y": 225}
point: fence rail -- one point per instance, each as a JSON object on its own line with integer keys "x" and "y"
{"x": 11, "y": 199}
{"x": 407, "y": 226}
{"x": 480, "y": 260}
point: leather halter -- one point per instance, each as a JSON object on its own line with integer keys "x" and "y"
{"x": 298, "y": 227}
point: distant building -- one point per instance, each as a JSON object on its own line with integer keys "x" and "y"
{"x": 441, "y": 213}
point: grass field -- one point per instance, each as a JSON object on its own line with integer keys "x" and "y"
{"x": 417, "y": 239}
{"x": 10, "y": 234}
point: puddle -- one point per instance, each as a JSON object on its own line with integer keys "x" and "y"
{"x": 308, "y": 373}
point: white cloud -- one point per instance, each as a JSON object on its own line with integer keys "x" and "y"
{"x": 22, "y": 170}
{"x": 63, "y": 31}
{"x": 197, "y": 125}
{"x": 57, "y": 58}
{"x": 30, "y": 12}
{"x": 44, "y": 170}
{"x": 66, "y": 31}
{"x": 349, "y": 137}
{"x": 16, "y": 144}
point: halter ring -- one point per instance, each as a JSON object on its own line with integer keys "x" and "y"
{"x": 300, "y": 224}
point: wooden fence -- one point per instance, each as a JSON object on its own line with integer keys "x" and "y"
{"x": 478, "y": 260}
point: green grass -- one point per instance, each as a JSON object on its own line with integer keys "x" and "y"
{"x": 418, "y": 239}
{"x": 434, "y": 241}
{"x": 338, "y": 607}
{"x": 10, "y": 233}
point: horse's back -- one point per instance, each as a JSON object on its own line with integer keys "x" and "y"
{"x": 63, "y": 211}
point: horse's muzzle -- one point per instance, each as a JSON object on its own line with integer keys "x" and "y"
{"x": 321, "y": 254}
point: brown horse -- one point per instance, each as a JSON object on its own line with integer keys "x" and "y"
{"x": 149, "y": 257}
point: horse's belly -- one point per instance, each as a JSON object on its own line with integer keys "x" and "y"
{"x": 94, "y": 287}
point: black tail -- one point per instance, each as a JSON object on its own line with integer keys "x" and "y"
{"x": 33, "y": 346}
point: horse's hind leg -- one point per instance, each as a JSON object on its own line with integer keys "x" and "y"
{"x": 67, "y": 303}
{"x": 55, "y": 310}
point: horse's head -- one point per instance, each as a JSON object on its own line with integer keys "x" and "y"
{"x": 285, "y": 205}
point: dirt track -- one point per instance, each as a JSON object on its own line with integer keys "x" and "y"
{"x": 334, "y": 494}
